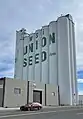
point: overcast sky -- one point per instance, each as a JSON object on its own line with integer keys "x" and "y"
{"x": 32, "y": 14}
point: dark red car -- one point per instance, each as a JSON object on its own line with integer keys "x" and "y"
{"x": 31, "y": 106}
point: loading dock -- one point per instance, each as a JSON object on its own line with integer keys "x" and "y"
{"x": 37, "y": 96}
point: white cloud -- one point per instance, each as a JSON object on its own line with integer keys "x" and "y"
{"x": 50, "y": 1}
{"x": 7, "y": 73}
{"x": 80, "y": 92}
{"x": 80, "y": 80}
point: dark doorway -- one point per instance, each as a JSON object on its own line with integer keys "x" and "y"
{"x": 37, "y": 96}
{"x": 58, "y": 96}
{"x": 2, "y": 91}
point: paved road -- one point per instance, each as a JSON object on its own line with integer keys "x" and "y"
{"x": 49, "y": 113}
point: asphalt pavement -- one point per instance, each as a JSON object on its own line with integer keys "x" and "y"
{"x": 46, "y": 113}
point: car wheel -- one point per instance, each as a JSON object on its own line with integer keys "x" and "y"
{"x": 21, "y": 109}
{"x": 38, "y": 108}
{"x": 26, "y": 109}
{"x": 29, "y": 109}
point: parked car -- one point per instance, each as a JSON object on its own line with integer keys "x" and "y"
{"x": 31, "y": 106}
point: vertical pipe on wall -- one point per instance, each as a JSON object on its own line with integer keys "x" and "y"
{"x": 63, "y": 60}
{"x": 58, "y": 96}
{"x": 27, "y": 92}
{"x": 57, "y": 64}
{"x": 3, "y": 91}
{"x": 45, "y": 95}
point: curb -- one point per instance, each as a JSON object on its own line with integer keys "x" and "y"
{"x": 63, "y": 106}
{"x": 8, "y": 109}
{"x": 45, "y": 107}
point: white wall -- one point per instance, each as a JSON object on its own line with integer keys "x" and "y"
{"x": 45, "y": 33}
{"x": 11, "y": 99}
{"x": 66, "y": 60}
{"x": 56, "y": 69}
{"x": 19, "y": 54}
{"x": 40, "y": 87}
{"x": 38, "y": 36}
{"x": 32, "y": 63}
{"x": 64, "y": 73}
{"x": 52, "y": 54}
{"x": 25, "y": 67}
{"x": 51, "y": 99}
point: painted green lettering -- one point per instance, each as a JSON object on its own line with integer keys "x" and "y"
{"x": 31, "y": 47}
{"x": 43, "y": 55}
{"x": 36, "y": 44}
{"x": 52, "y": 38}
{"x": 36, "y": 58}
{"x": 30, "y": 60}
{"x": 36, "y": 35}
{"x": 25, "y": 50}
{"x": 25, "y": 62}
{"x": 43, "y": 41}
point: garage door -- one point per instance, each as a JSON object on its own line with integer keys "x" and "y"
{"x": 37, "y": 96}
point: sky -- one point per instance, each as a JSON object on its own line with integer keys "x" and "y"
{"x": 32, "y": 14}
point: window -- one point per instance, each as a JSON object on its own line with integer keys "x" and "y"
{"x": 17, "y": 91}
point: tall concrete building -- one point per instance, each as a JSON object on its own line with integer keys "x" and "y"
{"x": 48, "y": 56}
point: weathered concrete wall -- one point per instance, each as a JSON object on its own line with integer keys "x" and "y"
{"x": 39, "y": 87}
{"x": 15, "y": 93}
{"x": 51, "y": 95}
